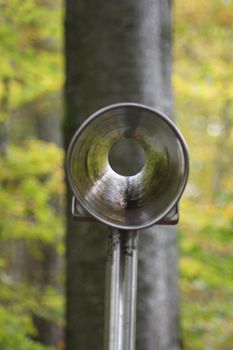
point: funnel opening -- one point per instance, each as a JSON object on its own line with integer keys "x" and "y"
{"x": 126, "y": 156}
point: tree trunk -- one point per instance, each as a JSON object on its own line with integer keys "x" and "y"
{"x": 118, "y": 51}
{"x": 4, "y": 109}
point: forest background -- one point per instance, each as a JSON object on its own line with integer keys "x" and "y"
{"x": 32, "y": 208}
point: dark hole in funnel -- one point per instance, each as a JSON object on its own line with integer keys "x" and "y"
{"x": 126, "y": 157}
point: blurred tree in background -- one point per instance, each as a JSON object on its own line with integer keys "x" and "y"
{"x": 31, "y": 175}
{"x": 204, "y": 96}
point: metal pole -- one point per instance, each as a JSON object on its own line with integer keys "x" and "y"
{"x": 121, "y": 290}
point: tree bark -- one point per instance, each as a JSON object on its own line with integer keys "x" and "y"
{"x": 118, "y": 51}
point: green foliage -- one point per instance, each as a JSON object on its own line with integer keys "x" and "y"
{"x": 30, "y": 36}
{"x": 31, "y": 174}
{"x": 13, "y": 331}
{"x": 203, "y": 87}
{"x": 17, "y": 303}
{"x": 31, "y": 178}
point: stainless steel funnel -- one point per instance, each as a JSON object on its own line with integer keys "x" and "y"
{"x": 128, "y": 165}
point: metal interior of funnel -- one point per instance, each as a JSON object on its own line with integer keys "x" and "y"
{"x": 128, "y": 165}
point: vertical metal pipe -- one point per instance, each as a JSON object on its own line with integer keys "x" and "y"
{"x": 121, "y": 290}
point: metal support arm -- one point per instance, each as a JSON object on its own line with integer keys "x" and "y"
{"x": 121, "y": 290}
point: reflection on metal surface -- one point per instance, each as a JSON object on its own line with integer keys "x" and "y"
{"x": 145, "y": 177}
{"x": 80, "y": 214}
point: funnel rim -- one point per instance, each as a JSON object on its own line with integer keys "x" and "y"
{"x": 84, "y": 125}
